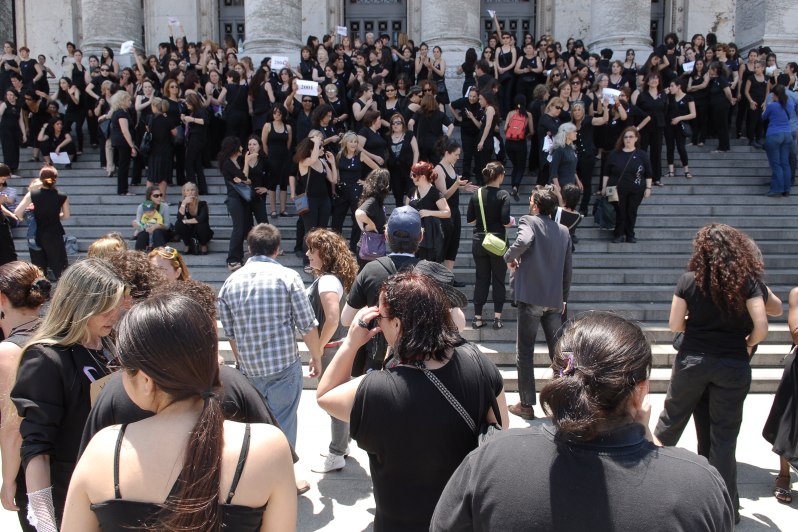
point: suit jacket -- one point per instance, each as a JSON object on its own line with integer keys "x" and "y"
{"x": 543, "y": 250}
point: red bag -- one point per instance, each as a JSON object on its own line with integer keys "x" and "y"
{"x": 516, "y": 129}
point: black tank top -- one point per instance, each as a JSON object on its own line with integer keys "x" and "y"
{"x": 315, "y": 182}
{"x": 119, "y": 514}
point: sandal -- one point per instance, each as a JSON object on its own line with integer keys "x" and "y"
{"x": 477, "y": 323}
{"x": 668, "y": 174}
{"x": 688, "y": 175}
{"x": 274, "y": 214}
{"x": 497, "y": 324}
{"x": 783, "y": 495}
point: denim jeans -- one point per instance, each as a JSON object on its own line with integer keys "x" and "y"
{"x": 282, "y": 391}
{"x": 339, "y": 440}
{"x": 727, "y": 381}
{"x": 529, "y": 318}
{"x": 778, "y": 147}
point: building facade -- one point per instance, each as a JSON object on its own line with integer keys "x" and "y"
{"x": 279, "y": 27}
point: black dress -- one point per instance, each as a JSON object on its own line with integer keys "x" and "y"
{"x": 49, "y": 231}
{"x": 160, "y": 163}
{"x": 10, "y": 135}
{"x": 279, "y": 158}
{"x": 781, "y": 427}
{"x": 432, "y": 246}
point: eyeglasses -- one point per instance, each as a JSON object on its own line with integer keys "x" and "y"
{"x": 398, "y": 123}
{"x": 158, "y": 195}
{"x": 103, "y": 70}
{"x": 629, "y": 137}
{"x": 115, "y": 364}
{"x": 390, "y": 90}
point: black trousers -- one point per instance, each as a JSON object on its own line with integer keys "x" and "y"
{"x": 469, "y": 141}
{"x": 10, "y": 142}
{"x": 674, "y": 138}
{"x": 346, "y": 202}
{"x": 727, "y": 381}
{"x": 491, "y": 271}
{"x": 52, "y": 254}
{"x": 259, "y": 210}
{"x": 195, "y": 170}
{"x": 584, "y": 169}
{"x": 626, "y": 212}
{"x": 753, "y": 123}
{"x": 701, "y": 121}
{"x": 651, "y": 141}
{"x": 318, "y": 216}
{"x": 159, "y": 239}
{"x": 718, "y": 108}
{"x": 201, "y": 232}
{"x": 241, "y": 214}
{"x": 180, "y": 165}
{"x": 91, "y": 122}
{"x": 76, "y": 119}
{"x": 483, "y": 157}
{"x": 123, "y": 168}
{"x": 517, "y": 152}
{"x": 401, "y": 185}
{"x": 7, "y": 251}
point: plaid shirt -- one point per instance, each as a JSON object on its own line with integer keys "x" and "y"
{"x": 259, "y": 306}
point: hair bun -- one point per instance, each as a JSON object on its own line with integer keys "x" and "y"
{"x": 43, "y": 286}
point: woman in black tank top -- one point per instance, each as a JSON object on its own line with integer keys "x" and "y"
{"x": 235, "y": 476}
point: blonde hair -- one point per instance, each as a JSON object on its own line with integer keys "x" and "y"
{"x": 88, "y": 288}
{"x": 554, "y": 102}
{"x": 175, "y": 259}
{"x": 106, "y": 245}
{"x": 187, "y": 185}
{"x": 348, "y": 137}
{"x": 118, "y": 100}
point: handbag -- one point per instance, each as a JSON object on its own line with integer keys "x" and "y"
{"x": 372, "y": 245}
{"x": 687, "y": 130}
{"x": 491, "y": 243}
{"x": 146, "y": 143}
{"x": 612, "y": 194}
{"x": 678, "y": 338}
{"x": 433, "y": 238}
{"x": 244, "y": 190}
{"x": 105, "y": 129}
{"x": 301, "y": 204}
{"x": 440, "y": 86}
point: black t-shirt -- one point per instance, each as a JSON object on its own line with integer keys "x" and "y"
{"x": 429, "y": 128}
{"x": 707, "y": 331}
{"x": 415, "y": 439}
{"x": 240, "y": 402}
{"x": 47, "y": 211}
{"x": 366, "y": 288}
{"x": 526, "y": 479}
{"x": 467, "y": 126}
{"x": 716, "y": 88}
{"x": 117, "y": 138}
{"x": 375, "y": 144}
{"x": 497, "y": 211}
{"x": 678, "y": 107}
{"x": 628, "y": 170}
{"x": 653, "y": 107}
{"x": 230, "y": 171}
{"x": 375, "y": 212}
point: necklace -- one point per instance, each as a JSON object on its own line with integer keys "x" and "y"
{"x": 21, "y": 325}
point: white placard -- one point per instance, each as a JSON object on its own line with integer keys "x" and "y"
{"x": 491, "y": 13}
{"x": 173, "y": 21}
{"x": 59, "y": 158}
{"x": 341, "y": 30}
{"x": 307, "y": 88}
{"x": 770, "y": 70}
{"x": 547, "y": 143}
{"x": 688, "y": 67}
{"x": 611, "y": 94}
{"x": 126, "y": 48}
{"x": 279, "y": 62}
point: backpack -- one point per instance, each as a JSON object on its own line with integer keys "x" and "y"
{"x": 516, "y": 129}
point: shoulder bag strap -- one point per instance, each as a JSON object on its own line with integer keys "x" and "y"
{"x": 482, "y": 210}
{"x": 494, "y": 405}
{"x": 629, "y": 160}
{"x": 449, "y": 397}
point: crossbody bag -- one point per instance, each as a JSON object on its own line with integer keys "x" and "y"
{"x": 491, "y": 243}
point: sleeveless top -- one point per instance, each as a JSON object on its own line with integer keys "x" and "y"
{"x": 120, "y": 514}
{"x": 315, "y": 183}
{"x": 454, "y": 199}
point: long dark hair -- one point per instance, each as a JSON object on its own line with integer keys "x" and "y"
{"x": 428, "y": 331}
{"x": 230, "y": 146}
{"x": 186, "y": 367}
{"x": 376, "y": 186}
{"x": 599, "y": 360}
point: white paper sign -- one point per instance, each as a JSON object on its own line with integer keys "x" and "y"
{"x": 547, "y": 143}
{"x": 126, "y": 48}
{"x": 688, "y": 67}
{"x": 611, "y": 94}
{"x": 491, "y": 13}
{"x": 307, "y": 88}
{"x": 173, "y": 21}
{"x": 59, "y": 158}
{"x": 341, "y": 30}
{"x": 278, "y": 62}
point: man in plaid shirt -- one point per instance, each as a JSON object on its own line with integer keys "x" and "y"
{"x": 260, "y": 305}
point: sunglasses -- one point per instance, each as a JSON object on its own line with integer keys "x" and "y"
{"x": 427, "y": 90}
{"x": 629, "y": 137}
{"x": 103, "y": 70}
{"x": 307, "y": 101}
{"x": 397, "y": 123}
{"x": 558, "y": 107}
{"x": 156, "y": 195}
{"x": 576, "y": 83}
{"x": 390, "y": 90}
{"x": 167, "y": 252}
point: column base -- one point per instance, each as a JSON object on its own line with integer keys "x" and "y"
{"x": 621, "y": 42}
{"x": 260, "y": 48}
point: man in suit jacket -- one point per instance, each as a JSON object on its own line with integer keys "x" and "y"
{"x": 540, "y": 259}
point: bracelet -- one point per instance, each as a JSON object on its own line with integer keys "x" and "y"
{"x": 648, "y": 188}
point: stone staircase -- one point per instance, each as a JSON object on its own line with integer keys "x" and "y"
{"x": 636, "y": 280}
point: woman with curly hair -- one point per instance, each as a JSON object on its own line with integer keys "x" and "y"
{"x": 370, "y": 215}
{"x": 724, "y": 298}
{"x": 335, "y": 268}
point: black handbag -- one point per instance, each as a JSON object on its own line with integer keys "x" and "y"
{"x": 433, "y": 238}
{"x": 244, "y": 190}
{"x": 146, "y": 144}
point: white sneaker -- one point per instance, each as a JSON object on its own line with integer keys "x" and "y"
{"x": 333, "y": 462}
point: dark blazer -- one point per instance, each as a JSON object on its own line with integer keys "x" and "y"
{"x": 543, "y": 250}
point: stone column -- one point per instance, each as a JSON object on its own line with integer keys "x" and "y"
{"x": 620, "y": 25}
{"x": 768, "y": 23}
{"x": 110, "y": 24}
{"x": 273, "y": 28}
{"x": 454, "y": 26}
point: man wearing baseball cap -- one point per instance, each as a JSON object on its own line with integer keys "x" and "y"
{"x": 403, "y": 232}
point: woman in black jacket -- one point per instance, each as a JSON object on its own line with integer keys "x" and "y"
{"x": 160, "y": 160}
{"x": 193, "y": 225}
{"x": 490, "y": 269}
{"x": 238, "y": 207}
{"x": 65, "y": 359}
{"x": 629, "y": 169}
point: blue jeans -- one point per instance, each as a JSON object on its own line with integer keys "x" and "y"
{"x": 339, "y": 430}
{"x": 282, "y": 391}
{"x": 778, "y": 147}
{"x": 530, "y": 317}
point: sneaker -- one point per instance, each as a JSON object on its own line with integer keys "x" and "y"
{"x": 326, "y": 453}
{"x": 333, "y": 462}
{"x": 522, "y": 411}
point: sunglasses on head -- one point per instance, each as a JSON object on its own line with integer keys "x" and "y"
{"x": 167, "y": 252}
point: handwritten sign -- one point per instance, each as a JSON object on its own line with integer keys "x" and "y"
{"x": 611, "y": 94}
{"x": 341, "y": 30}
{"x": 688, "y": 67}
{"x": 126, "y": 48}
{"x": 279, "y": 62}
{"x": 307, "y": 88}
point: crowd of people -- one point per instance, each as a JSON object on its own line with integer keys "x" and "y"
{"x": 81, "y": 383}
